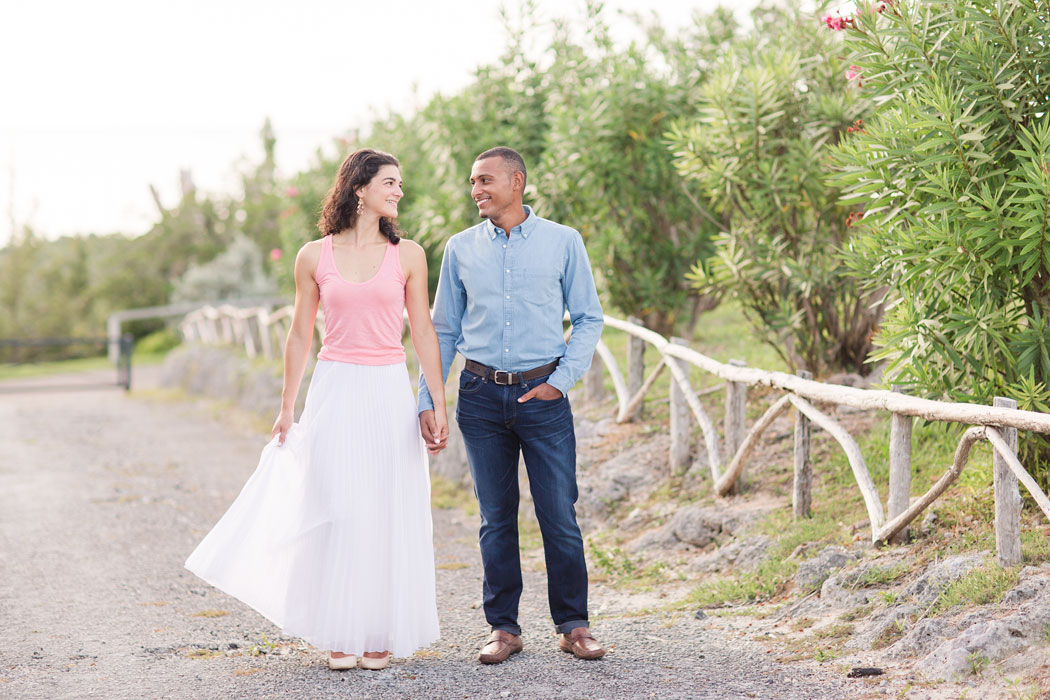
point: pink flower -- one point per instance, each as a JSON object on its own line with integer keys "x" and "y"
{"x": 853, "y": 73}
{"x": 276, "y": 254}
{"x": 292, "y": 191}
{"x": 837, "y": 23}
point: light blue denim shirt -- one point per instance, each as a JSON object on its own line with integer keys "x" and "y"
{"x": 500, "y": 301}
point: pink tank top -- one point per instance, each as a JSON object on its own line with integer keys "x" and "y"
{"x": 362, "y": 320}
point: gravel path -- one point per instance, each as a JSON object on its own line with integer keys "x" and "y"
{"x": 102, "y": 497}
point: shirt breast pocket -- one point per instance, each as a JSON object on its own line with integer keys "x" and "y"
{"x": 539, "y": 287}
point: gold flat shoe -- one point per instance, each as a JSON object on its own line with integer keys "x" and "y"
{"x": 342, "y": 663}
{"x": 375, "y": 664}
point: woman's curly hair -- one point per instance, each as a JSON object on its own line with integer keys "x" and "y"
{"x": 339, "y": 210}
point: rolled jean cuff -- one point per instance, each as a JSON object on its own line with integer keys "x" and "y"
{"x": 513, "y": 629}
{"x": 567, "y": 627}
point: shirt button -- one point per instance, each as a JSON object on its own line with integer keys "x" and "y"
{"x": 508, "y": 296}
{"x": 506, "y": 349}
{"x": 504, "y": 246}
{"x": 508, "y": 270}
{"x": 508, "y": 323}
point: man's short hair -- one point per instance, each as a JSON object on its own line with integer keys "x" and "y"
{"x": 510, "y": 157}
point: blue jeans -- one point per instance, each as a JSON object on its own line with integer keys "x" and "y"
{"x": 495, "y": 428}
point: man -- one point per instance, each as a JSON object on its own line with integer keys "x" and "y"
{"x": 501, "y": 298}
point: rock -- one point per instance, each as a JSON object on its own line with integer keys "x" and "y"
{"x": 451, "y": 462}
{"x": 993, "y": 639}
{"x": 634, "y": 473}
{"x": 928, "y": 522}
{"x": 923, "y": 638}
{"x": 813, "y": 572}
{"x": 1027, "y": 588}
{"x": 661, "y": 538}
{"x": 836, "y": 593}
{"x": 746, "y": 555}
{"x": 228, "y": 375}
{"x": 939, "y": 576}
{"x": 846, "y": 588}
{"x": 955, "y": 659}
{"x": 696, "y": 526}
{"x": 884, "y": 625}
{"x": 700, "y": 614}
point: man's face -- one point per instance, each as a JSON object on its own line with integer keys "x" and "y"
{"x": 494, "y": 187}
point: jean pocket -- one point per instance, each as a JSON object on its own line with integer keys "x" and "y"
{"x": 469, "y": 383}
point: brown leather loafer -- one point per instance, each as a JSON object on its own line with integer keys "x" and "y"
{"x": 501, "y": 645}
{"x": 581, "y": 644}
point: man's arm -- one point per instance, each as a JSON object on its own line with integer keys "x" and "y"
{"x": 450, "y": 300}
{"x": 585, "y": 313}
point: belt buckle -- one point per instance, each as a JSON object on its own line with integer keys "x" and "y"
{"x": 504, "y": 382}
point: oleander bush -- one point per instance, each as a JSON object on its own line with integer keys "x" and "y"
{"x": 953, "y": 174}
{"x": 773, "y": 109}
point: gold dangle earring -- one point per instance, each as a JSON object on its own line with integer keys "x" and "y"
{"x": 360, "y": 205}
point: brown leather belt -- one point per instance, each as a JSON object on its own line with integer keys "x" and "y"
{"x": 507, "y": 378}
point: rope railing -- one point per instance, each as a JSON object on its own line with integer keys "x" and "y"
{"x": 261, "y": 332}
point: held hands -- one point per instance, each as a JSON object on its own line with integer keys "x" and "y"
{"x": 543, "y": 392}
{"x": 434, "y": 427}
{"x": 282, "y": 426}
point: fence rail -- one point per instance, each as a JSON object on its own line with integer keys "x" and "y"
{"x": 261, "y": 332}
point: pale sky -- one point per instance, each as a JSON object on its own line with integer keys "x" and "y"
{"x": 101, "y": 99}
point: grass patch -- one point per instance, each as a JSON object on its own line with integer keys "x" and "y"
{"x": 613, "y": 565}
{"x": 211, "y": 613}
{"x": 834, "y": 631}
{"x": 1035, "y": 545}
{"x": 447, "y": 494}
{"x": 890, "y": 635}
{"x": 857, "y": 613}
{"x": 764, "y": 583}
{"x": 876, "y": 576}
{"x": 247, "y": 671}
{"x": 803, "y": 623}
{"x": 980, "y": 586}
{"x": 30, "y": 370}
{"x": 452, "y": 566}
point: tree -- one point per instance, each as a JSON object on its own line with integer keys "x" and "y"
{"x": 237, "y": 272}
{"x": 606, "y": 169}
{"x": 758, "y": 149}
{"x": 954, "y": 174}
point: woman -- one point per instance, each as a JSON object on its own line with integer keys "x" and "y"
{"x": 331, "y": 537}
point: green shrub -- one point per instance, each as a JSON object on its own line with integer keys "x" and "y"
{"x": 954, "y": 176}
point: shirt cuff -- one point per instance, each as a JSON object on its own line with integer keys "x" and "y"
{"x": 560, "y": 383}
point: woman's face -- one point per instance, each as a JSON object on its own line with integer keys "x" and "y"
{"x": 382, "y": 194}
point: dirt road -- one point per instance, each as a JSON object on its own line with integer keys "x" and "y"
{"x": 102, "y": 496}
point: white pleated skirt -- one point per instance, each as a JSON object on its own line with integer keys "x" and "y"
{"x": 331, "y": 537}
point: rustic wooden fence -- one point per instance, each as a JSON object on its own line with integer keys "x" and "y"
{"x": 262, "y": 332}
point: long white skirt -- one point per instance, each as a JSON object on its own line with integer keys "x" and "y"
{"x": 331, "y": 537}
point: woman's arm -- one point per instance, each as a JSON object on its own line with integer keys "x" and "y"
{"x": 424, "y": 337}
{"x": 300, "y": 335}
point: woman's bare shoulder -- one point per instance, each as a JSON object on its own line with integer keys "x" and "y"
{"x": 410, "y": 251}
{"x": 310, "y": 252}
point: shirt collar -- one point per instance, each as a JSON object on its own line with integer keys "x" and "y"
{"x": 526, "y": 227}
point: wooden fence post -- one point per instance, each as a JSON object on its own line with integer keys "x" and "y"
{"x": 635, "y": 365}
{"x": 1007, "y": 498}
{"x": 681, "y": 425}
{"x": 736, "y": 424}
{"x": 594, "y": 381}
{"x": 802, "y": 495}
{"x": 900, "y": 469}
